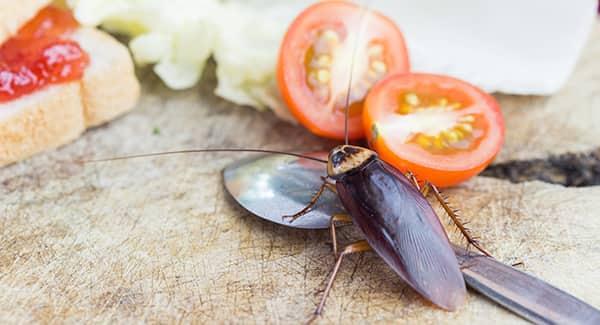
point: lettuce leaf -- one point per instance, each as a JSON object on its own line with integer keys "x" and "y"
{"x": 179, "y": 36}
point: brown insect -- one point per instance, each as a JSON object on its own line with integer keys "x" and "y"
{"x": 392, "y": 212}
{"x": 398, "y": 223}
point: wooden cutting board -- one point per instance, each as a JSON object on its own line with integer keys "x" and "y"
{"x": 158, "y": 240}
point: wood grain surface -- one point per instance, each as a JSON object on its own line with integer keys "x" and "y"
{"x": 158, "y": 240}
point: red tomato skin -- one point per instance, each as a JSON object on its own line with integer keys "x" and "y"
{"x": 291, "y": 79}
{"x": 437, "y": 171}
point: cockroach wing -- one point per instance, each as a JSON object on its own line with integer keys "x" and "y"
{"x": 402, "y": 228}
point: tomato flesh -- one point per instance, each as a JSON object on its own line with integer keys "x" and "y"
{"x": 442, "y": 129}
{"x": 316, "y": 59}
{"x": 38, "y": 56}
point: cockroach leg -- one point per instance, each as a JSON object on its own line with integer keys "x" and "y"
{"x": 357, "y": 247}
{"x": 313, "y": 200}
{"x": 337, "y": 218}
{"x": 331, "y": 187}
{"x": 425, "y": 189}
{"x": 413, "y": 179}
{"x": 456, "y": 219}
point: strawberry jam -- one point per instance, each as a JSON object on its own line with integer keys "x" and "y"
{"x": 39, "y": 55}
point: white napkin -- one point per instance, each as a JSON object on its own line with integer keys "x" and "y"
{"x": 510, "y": 46}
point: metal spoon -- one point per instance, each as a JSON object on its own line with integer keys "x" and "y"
{"x": 271, "y": 186}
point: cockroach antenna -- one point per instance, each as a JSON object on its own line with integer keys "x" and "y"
{"x": 365, "y": 9}
{"x": 155, "y": 154}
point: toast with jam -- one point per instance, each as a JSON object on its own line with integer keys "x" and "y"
{"x": 56, "y": 78}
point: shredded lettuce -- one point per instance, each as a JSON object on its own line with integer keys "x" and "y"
{"x": 179, "y": 36}
{"x": 246, "y": 52}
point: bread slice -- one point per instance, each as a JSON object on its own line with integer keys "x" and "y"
{"x": 58, "y": 114}
{"x": 109, "y": 87}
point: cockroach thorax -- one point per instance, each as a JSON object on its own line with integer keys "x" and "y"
{"x": 345, "y": 158}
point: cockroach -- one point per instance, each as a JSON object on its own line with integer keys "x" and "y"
{"x": 392, "y": 212}
{"x": 398, "y": 223}
{"x": 517, "y": 291}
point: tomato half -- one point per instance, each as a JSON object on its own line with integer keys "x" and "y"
{"x": 442, "y": 129}
{"x": 316, "y": 57}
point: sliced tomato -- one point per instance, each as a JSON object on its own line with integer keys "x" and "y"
{"x": 317, "y": 54}
{"x": 442, "y": 129}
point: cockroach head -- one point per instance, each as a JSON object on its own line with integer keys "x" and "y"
{"x": 345, "y": 158}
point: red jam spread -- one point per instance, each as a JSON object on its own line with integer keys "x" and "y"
{"x": 39, "y": 55}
